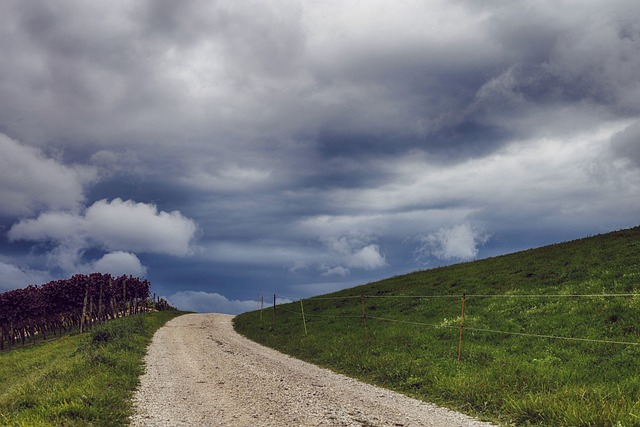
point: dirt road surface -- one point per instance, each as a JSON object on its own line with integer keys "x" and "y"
{"x": 200, "y": 372}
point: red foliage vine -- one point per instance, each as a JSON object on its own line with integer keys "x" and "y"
{"x": 61, "y": 305}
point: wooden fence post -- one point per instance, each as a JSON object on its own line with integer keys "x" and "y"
{"x": 461, "y": 326}
{"x": 274, "y": 309}
{"x": 304, "y": 321}
{"x": 364, "y": 317}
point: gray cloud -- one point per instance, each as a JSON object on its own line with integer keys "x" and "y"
{"x": 627, "y": 143}
{"x": 310, "y": 141}
{"x": 12, "y": 276}
{"x": 30, "y": 181}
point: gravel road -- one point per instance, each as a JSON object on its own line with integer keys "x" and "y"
{"x": 200, "y": 372}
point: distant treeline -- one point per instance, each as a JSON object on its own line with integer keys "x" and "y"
{"x": 77, "y": 302}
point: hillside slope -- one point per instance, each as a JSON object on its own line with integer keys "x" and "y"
{"x": 550, "y": 335}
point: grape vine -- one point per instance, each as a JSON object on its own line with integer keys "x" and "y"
{"x": 61, "y": 305}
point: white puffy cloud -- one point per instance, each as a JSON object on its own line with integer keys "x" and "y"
{"x": 368, "y": 257}
{"x": 139, "y": 227}
{"x": 207, "y": 302}
{"x": 456, "y": 243}
{"x": 119, "y": 263}
{"x": 115, "y": 226}
{"x": 334, "y": 271}
{"x": 350, "y": 252}
{"x": 56, "y": 226}
{"x": 30, "y": 181}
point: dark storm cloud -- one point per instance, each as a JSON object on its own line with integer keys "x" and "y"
{"x": 312, "y": 142}
{"x": 111, "y": 67}
{"x": 588, "y": 55}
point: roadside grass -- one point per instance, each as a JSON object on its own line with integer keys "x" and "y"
{"x": 502, "y": 377}
{"x": 78, "y": 379}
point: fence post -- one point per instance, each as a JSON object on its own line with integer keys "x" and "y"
{"x": 261, "y": 306}
{"x": 364, "y": 317}
{"x": 304, "y": 321}
{"x": 274, "y": 309}
{"x": 461, "y": 326}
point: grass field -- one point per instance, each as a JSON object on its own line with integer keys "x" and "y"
{"x": 550, "y": 335}
{"x": 79, "y": 379}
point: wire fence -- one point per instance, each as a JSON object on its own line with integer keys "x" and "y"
{"x": 460, "y": 325}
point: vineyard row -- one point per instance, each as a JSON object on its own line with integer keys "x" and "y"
{"x": 61, "y": 305}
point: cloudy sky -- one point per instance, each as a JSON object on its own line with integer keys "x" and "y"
{"x": 225, "y": 149}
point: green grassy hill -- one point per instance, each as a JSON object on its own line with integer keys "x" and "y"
{"x": 550, "y": 335}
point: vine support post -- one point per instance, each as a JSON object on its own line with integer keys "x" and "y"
{"x": 100, "y": 306}
{"x": 113, "y": 298}
{"x": 84, "y": 308}
{"x": 90, "y": 312}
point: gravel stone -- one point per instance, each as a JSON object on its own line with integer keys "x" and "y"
{"x": 200, "y": 372}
